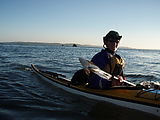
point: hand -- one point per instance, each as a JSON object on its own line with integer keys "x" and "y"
{"x": 117, "y": 82}
{"x": 120, "y": 78}
{"x": 87, "y": 71}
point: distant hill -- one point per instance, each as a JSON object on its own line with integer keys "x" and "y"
{"x": 59, "y": 44}
{"x": 41, "y": 43}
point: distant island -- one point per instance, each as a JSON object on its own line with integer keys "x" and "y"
{"x": 41, "y": 43}
{"x": 58, "y": 44}
{"x": 74, "y": 45}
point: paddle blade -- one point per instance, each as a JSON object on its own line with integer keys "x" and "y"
{"x": 151, "y": 84}
{"x": 101, "y": 73}
{"x": 95, "y": 69}
{"x": 87, "y": 64}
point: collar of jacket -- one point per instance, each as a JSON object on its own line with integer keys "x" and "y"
{"x": 112, "y": 52}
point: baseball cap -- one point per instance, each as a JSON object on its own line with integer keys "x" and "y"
{"x": 112, "y": 36}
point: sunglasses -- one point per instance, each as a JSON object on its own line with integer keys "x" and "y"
{"x": 114, "y": 41}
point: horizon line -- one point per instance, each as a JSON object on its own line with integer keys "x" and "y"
{"x": 58, "y": 43}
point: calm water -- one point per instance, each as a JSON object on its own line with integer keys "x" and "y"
{"x": 25, "y": 96}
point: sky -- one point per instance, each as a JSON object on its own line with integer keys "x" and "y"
{"x": 81, "y": 21}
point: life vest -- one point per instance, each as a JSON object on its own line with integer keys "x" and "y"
{"x": 114, "y": 65}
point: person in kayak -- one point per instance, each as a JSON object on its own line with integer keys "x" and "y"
{"x": 108, "y": 61}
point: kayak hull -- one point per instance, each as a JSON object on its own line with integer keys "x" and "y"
{"x": 122, "y": 97}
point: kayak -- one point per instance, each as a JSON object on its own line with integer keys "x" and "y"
{"x": 129, "y": 97}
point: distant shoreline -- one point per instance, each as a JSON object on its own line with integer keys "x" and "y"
{"x": 41, "y": 43}
{"x": 66, "y": 44}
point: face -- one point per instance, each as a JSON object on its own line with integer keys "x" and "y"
{"x": 111, "y": 45}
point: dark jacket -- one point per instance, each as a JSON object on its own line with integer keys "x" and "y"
{"x": 109, "y": 62}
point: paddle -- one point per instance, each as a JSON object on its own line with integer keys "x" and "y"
{"x": 151, "y": 84}
{"x": 95, "y": 69}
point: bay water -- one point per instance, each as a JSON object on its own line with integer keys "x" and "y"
{"x": 25, "y": 96}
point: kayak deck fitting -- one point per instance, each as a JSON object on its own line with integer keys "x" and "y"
{"x": 130, "y": 97}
